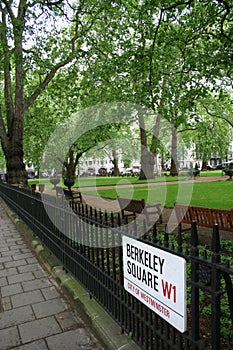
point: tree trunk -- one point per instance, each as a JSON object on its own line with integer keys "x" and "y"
{"x": 155, "y": 137}
{"x": 13, "y": 26}
{"x": 147, "y": 165}
{"x": 204, "y": 165}
{"x": 70, "y": 166}
{"x": 174, "y": 161}
{"x": 147, "y": 158}
{"x": 12, "y": 144}
{"x": 162, "y": 161}
{"x": 16, "y": 173}
{"x": 116, "y": 171}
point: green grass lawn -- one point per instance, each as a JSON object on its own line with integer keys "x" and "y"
{"x": 216, "y": 194}
{"x": 112, "y": 180}
{"x": 93, "y": 181}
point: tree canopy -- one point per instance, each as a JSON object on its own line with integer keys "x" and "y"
{"x": 38, "y": 39}
{"x": 166, "y": 56}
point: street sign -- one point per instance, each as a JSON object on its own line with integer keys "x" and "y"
{"x": 158, "y": 279}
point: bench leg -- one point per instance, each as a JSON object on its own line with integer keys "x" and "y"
{"x": 160, "y": 215}
{"x": 180, "y": 228}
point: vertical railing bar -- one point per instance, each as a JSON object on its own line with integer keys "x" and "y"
{"x": 195, "y": 332}
{"x": 215, "y": 286}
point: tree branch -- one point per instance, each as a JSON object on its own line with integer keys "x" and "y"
{"x": 59, "y": 65}
{"x": 45, "y": 82}
{"x": 151, "y": 59}
{"x": 9, "y": 9}
{"x": 187, "y": 129}
{"x": 227, "y": 8}
{"x": 179, "y": 3}
{"x": 217, "y": 116}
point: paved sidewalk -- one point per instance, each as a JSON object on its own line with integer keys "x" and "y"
{"x": 34, "y": 314}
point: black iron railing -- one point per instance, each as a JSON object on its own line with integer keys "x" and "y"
{"x": 88, "y": 243}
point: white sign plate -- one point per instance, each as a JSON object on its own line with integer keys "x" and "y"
{"x": 158, "y": 279}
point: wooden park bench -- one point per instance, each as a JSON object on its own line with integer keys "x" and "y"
{"x": 70, "y": 195}
{"x": 205, "y": 217}
{"x": 73, "y": 196}
{"x": 133, "y": 207}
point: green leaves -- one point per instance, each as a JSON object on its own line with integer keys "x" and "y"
{"x": 163, "y": 55}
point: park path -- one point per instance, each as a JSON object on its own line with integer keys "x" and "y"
{"x": 34, "y": 312}
{"x": 159, "y": 183}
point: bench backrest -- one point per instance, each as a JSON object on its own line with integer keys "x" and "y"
{"x": 135, "y": 206}
{"x": 150, "y": 213}
{"x": 224, "y": 219}
{"x": 205, "y": 217}
{"x": 183, "y": 213}
{"x": 68, "y": 193}
{"x": 71, "y": 195}
{"x": 202, "y": 216}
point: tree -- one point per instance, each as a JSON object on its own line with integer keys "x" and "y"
{"x": 84, "y": 143}
{"x": 162, "y": 57}
{"x": 28, "y": 47}
{"x": 89, "y": 128}
{"x": 156, "y": 51}
{"x": 55, "y": 104}
{"x": 212, "y": 135}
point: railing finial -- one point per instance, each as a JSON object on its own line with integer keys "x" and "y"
{"x": 215, "y": 239}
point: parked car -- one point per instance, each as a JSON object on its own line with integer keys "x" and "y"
{"x": 128, "y": 172}
{"x": 45, "y": 174}
{"x": 220, "y": 166}
{"x": 31, "y": 174}
{"x": 102, "y": 171}
{"x": 215, "y": 167}
{"x": 211, "y": 167}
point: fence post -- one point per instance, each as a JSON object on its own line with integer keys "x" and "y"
{"x": 216, "y": 292}
{"x": 195, "y": 331}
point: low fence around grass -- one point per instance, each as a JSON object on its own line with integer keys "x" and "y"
{"x": 88, "y": 243}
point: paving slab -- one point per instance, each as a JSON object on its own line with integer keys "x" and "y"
{"x": 11, "y": 289}
{"x": 27, "y": 298}
{"x": 36, "y": 345}
{"x": 9, "y": 338}
{"x": 67, "y": 322}
{"x": 29, "y": 267}
{"x": 38, "y": 329}
{"x": 17, "y": 263}
{"x": 71, "y": 340}
{"x": 21, "y": 277}
{"x": 3, "y": 281}
{"x": 36, "y": 284}
{"x": 49, "y": 307}
{"x": 50, "y": 292}
{"x": 16, "y": 317}
{"x": 7, "y": 271}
